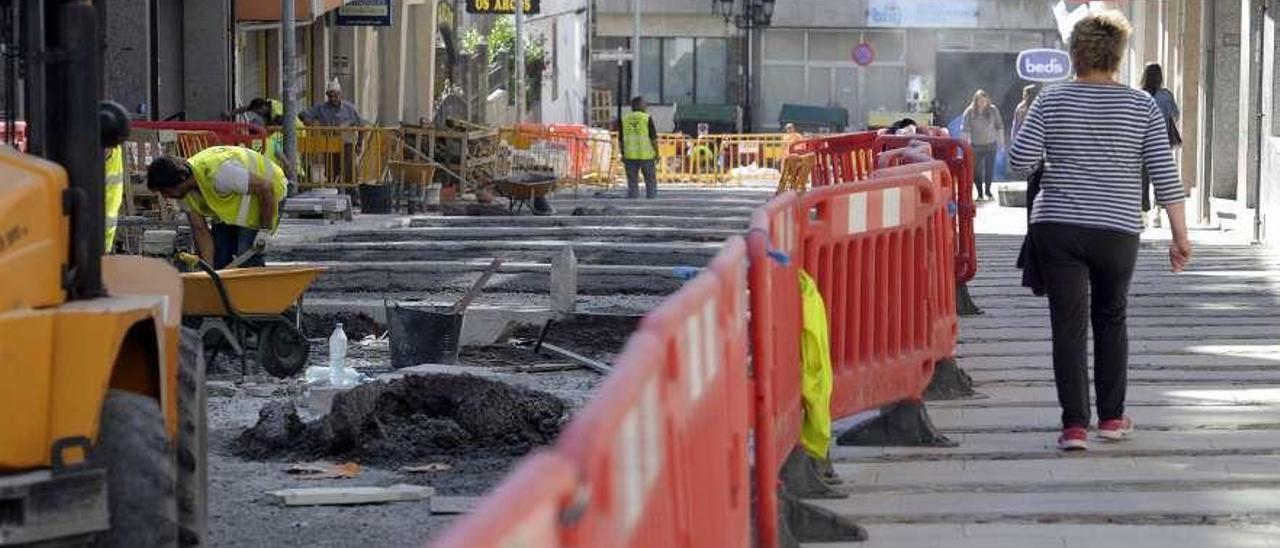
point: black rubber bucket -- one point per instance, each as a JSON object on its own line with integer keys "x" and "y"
{"x": 421, "y": 336}
{"x": 375, "y": 199}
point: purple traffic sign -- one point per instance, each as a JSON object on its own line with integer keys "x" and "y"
{"x": 863, "y": 54}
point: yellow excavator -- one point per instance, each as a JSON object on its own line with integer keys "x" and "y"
{"x": 102, "y": 404}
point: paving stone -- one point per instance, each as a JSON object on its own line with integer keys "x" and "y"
{"x": 1168, "y": 506}
{"x": 1055, "y": 535}
{"x": 1045, "y": 395}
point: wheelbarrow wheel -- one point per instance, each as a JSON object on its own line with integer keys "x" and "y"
{"x": 282, "y": 349}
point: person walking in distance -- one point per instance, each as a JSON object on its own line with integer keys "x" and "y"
{"x": 1153, "y": 84}
{"x": 639, "y": 141}
{"x": 1029, "y": 93}
{"x": 984, "y": 129}
{"x": 1093, "y": 138}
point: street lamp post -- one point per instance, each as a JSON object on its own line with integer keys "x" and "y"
{"x": 754, "y": 14}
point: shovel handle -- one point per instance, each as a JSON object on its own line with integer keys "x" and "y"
{"x": 465, "y": 302}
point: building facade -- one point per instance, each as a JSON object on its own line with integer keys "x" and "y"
{"x": 198, "y": 60}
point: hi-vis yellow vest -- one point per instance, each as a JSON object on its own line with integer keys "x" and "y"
{"x": 276, "y": 140}
{"x": 816, "y": 376}
{"x": 233, "y": 208}
{"x": 637, "y": 144}
{"x": 114, "y": 193}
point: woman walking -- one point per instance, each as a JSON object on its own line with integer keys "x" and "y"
{"x": 1029, "y": 93}
{"x": 1094, "y": 137}
{"x": 1153, "y": 84}
{"x": 984, "y": 129}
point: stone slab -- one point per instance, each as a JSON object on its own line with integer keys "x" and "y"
{"x": 1137, "y": 395}
{"x": 346, "y": 496}
{"x": 1160, "y": 418}
{"x": 970, "y": 334}
{"x": 1186, "y": 346}
{"x": 1003, "y": 446}
{"x": 1139, "y": 375}
{"x": 1147, "y": 360}
{"x": 1096, "y": 506}
{"x": 1057, "y": 535}
{"x": 1046, "y": 475}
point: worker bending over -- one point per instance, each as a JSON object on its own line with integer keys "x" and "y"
{"x": 234, "y": 187}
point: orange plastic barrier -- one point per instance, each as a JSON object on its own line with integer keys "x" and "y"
{"x": 574, "y": 153}
{"x": 959, "y": 159}
{"x": 773, "y": 247}
{"x": 525, "y": 511}
{"x": 874, "y": 250}
{"x": 659, "y": 456}
{"x": 662, "y": 446}
{"x": 840, "y": 159}
{"x": 228, "y": 133}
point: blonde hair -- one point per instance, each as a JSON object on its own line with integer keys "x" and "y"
{"x": 1098, "y": 42}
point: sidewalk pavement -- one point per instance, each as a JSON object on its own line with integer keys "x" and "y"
{"x": 1202, "y": 469}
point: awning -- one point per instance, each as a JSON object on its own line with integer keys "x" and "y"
{"x": 269, "y": 10}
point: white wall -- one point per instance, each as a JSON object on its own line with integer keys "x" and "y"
{"x": 565, "y": 84}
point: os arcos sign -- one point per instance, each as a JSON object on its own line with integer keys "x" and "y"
{"x": 1044, "y": 65}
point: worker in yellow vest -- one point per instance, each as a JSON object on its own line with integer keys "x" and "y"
{"x": 113, "y": 136}
{"x": 234, "y": 187}
{"x": 274, "y": 148}
{"x": 638, "y": 139}
{"x": 114, "y": 191}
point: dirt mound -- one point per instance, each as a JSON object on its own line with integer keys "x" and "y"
{"x": 408, "y": 419}
{"x": 357, "y": 325}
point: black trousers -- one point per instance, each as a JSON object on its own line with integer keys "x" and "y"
{"x": 1087, "y": 273}
{"x": 984, "y": 168}
{"x": 230, "y": 241}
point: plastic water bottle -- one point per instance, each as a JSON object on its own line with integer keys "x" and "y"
{"x": 337, "y": 356}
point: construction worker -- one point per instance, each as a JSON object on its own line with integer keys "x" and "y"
{"x": 258, "y": 111}
{"x": 638, "y": 139}
{"x": 113, "y": 138}
{"x": 335, "y": 112}
{"x": 274, "y": 147}
{"x": 236, "y": 188}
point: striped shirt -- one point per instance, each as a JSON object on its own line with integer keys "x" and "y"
{"x": 1095, "y": 140}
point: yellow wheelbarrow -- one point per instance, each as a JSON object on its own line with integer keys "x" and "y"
{"x": 246, "y": 309}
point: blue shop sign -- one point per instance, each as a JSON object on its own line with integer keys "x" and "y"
{"x": 1044, "y": 65}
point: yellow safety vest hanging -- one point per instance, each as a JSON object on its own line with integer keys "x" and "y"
{"x": 233, "y": 208}
{"x": 637, "y": 144}
{"x": 816, "y": 377}
{"x": 114, "y": 194}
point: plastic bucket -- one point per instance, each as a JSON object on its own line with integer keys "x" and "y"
{"x": 375, "y": 199}
{"x": 421, "y": 336}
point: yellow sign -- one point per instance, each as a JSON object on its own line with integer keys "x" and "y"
{"x": 503, "y": 6}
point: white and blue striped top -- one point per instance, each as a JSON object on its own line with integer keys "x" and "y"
{"x": 1095, "y": 139}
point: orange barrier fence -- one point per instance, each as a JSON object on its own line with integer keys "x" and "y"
{"x": 226, "y": 133}
{"x": 854, "y": 157}
{"x": 840, "y": 159}
{"x": 959, "y": 159}
{"x": 663, "y": 445}
{"x": 574, "y": 153}
{"x": 660, "y": 456}
{"x": 773, "y": 245}
{"x": 527, "y": 511}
